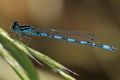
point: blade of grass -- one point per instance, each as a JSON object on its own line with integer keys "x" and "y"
{"x": 41, "y": 57}
{"x": 13, "y": 63}
{"x": 19, "y": 55}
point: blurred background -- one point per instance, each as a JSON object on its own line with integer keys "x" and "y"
{"x": 101, "y": 17}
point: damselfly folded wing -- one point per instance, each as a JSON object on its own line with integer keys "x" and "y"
{"x": 82, "y": 35}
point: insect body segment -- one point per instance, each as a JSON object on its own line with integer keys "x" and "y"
{"x": 107, "y": 47}
{"x": 57, "y": 37}
{"x": 31, "y": 31}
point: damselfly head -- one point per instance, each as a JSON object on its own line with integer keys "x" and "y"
{"x": 113, "y": 48}
{"x": 14, "y": 26}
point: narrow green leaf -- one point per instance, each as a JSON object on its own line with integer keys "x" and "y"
{"x": 15, "y": 47}
{"x": 19, "y": 55}
{"x": 13, "y": 63}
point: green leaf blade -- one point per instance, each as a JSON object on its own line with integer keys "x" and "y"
{"x": 19, "y": 55}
